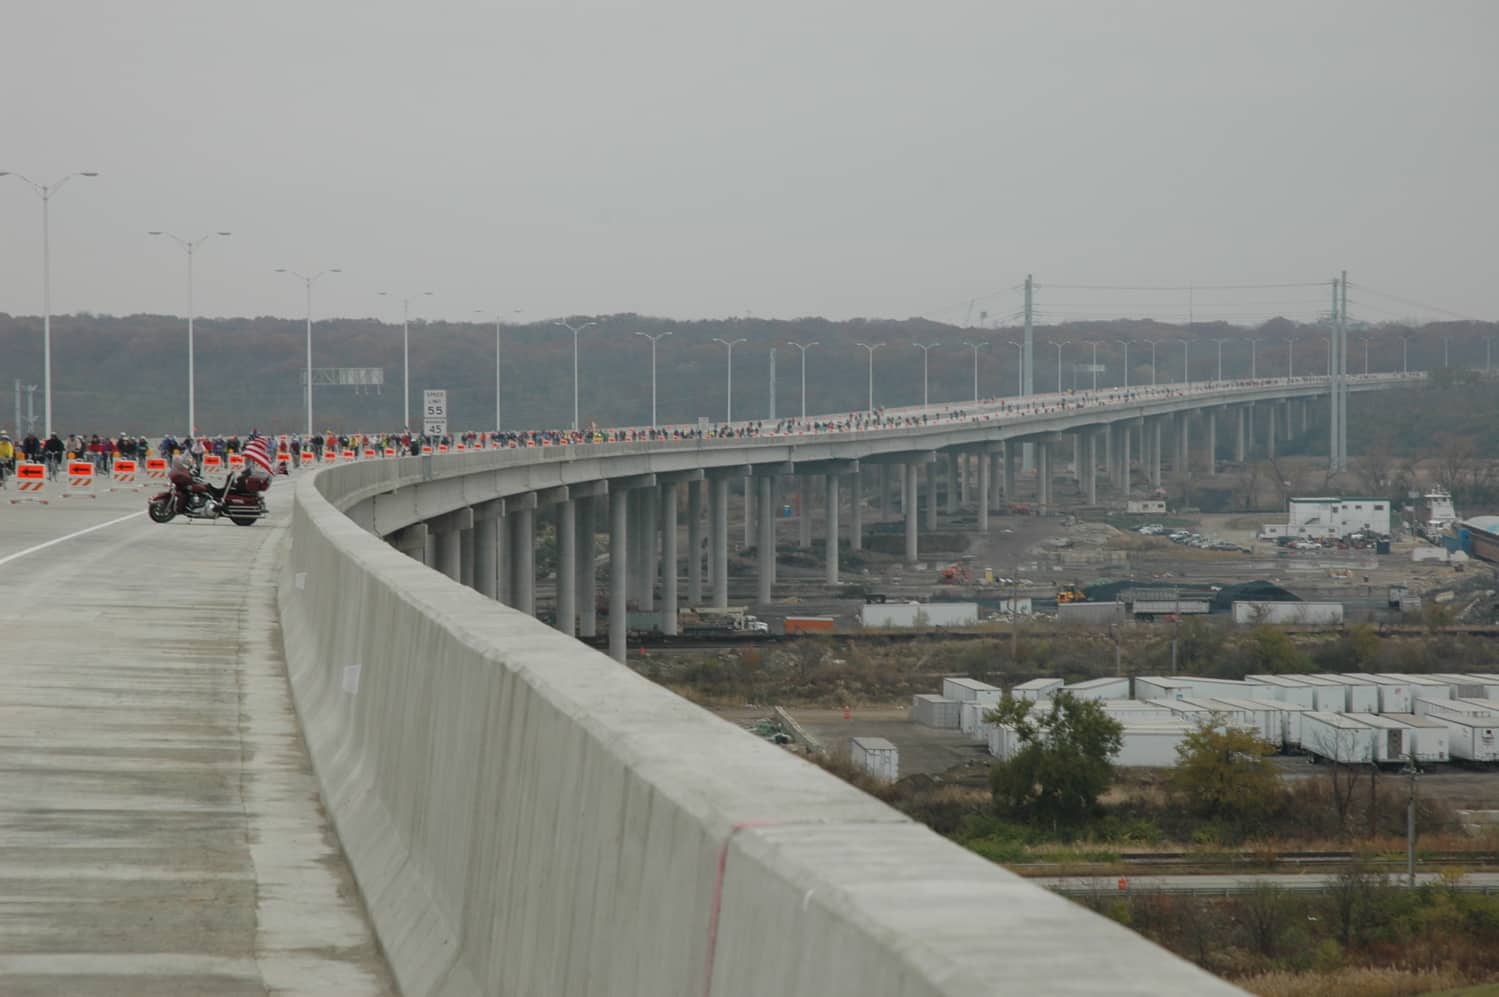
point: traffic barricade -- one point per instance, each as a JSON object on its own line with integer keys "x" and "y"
{"x": 156, "y": 469}
{"x": 236, "y": 462}
{"x": 31, "y": 483}
{"x": 283, "y": 456}
{"x": 426, "y": 450}
{"x": 459, "y": 447}
{"x": 442, "y": 448}
{"x": 390, "y": 451}
{"x": 308, "y": 457}
{"x": 330, "y": 455}
{"x": 212, "y": 462}
{"x": 124, "y": 475}
{"x": 80, "y": 480}
{"x": 371, "y": 452}
{"x": 347, "y": 455}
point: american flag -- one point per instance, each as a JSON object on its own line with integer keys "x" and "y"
{"x": 258, "y": 452}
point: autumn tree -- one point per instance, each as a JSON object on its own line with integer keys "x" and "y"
{"x": 1225, "y": 772}
{"x": 1062, "y": 765}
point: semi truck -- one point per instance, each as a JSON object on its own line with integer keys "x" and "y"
{"x": 810, "y": 624}
{"x": 733, "y": 621}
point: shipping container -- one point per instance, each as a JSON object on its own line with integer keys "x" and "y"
{"x": 1020, "y": 606}
{"x": 1171, "y": 607}
{"x": 1151, "y": 745}
{"x": 1233, "y": 688}
{"x": 1431, "y": 740}
{"x": 1362, "y": 696}
{"x": 1285, "y": 689}
{"x": 1305, "y": 613}
{"x": 920, "y": 614}
{"x": 1091, "y": 613}
{"x": 1390, "y": 738}
{"x": 810, "y": 624}
{"x": 876, "y": 756}
{"x": 1337, "y": 737}
{"x": 1473, "y": 738}
{"x": 1290, "y": 719}
{"x": 1102, "y": 688}
{"x": 1394, "y": 693}
{"x": 966, "y": 690}
{"x": 1036, "y": 689}
{"x": 935, "y": 711}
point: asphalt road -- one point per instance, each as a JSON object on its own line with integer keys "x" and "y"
{"x": 1311, "y": 882}
{"x": 160, "y": 825}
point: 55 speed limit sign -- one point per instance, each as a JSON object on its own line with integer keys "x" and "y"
{"x": 435, "y": 413}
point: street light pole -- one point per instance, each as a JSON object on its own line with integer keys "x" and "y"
{"x": 45, "y": 192}
{"x": 498, "y": 318}
{"x": 1220, "y": 343}
{"x": 654, "y": 340}
{"x": 871, "y": 347}
{"x": 926, "y": 352}
{"x": 308, "y": 282}
{"x": 1059, "y": 363}
{"x": 406, "y": 347}
{"x": 1126, "y": 360}
{"x": 189, "y": 247}
{"x": 575, "y": 330}
{"x": 1186, "y": 360}
{"x": 1405, "y": 347}
{"x": 975, "y": 347}
{"x": 804, "y": 347}
{"x": 729, "y": 344}
{"x": 1252, "y": 343}
{"x": 1094, "y": 344}
{"x": 1290, "y": 358}
{"x": 1152, "y": 343}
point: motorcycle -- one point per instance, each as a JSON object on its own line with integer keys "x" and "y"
{"x": 240, "y": 497}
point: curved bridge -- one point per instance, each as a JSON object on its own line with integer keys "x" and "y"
{"x": 523, "y": 816}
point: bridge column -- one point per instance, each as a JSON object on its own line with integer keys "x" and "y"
{"x": 1305, "y": 409}
{"x": 1013, "y": 449}
{"x": 908, "y": 489}
{"x": 1249, "y": 427}
{"x": 1184, "y": 438}
{"x": 1125, "y": 472}
{"x": 749, "y": 512}
{"x": 668, "y": 504}
{"x": 1270, "y": 435}
{"x": 884, "y": 492}
{"x": 720, "y": 541}
{"x": 1155, "y": 453}
{"x": 411, "y": 541}
{"x": 695, "y": 543}
{"x": 466, "y": 557}
{"x": 1239, "y": 453}
{"x": 567, "y": 567}
{"x": 995, "y": 461}
{"x": 982, "y": 505}
{"x": 1090, "y": 466}
{"x": 831, "y": 528}
{"x": 856, "y": 511}
{"x": 1288, "y": 419}
{"x": 804, "y": 490}
{"x": 767, "y": 542}
{"x": 523, "y": 553}
{"x": 651, "y": 549}
{"x": 448, "y": 549}
{"x": 1212, "y": 417}
{"x": 487, "y": 519}
{"x": 931, "y": 497}
{"x": 954, "y": 476}
{"x": 635, "y": 539}
{"x": 619, "y": 571}
{"x": 502, "y": 592}
{"x": 583, "y": 569}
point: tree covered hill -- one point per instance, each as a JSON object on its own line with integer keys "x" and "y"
{"x": 128, "y": 373}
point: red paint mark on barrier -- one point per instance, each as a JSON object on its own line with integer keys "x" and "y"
{"x": 723, "y": 861}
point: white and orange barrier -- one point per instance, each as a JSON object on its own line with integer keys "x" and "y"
{"x": 212, "y": 462}
{"x": 426, "y": 450}
{"x": 80, "y": 480}
{"x": 236, "y": 462}
{"x": 371, "y": 452}
{"x": 156, "y": 470}
{"x": 308, "y": 457}
{"x": 124, "y": 474}
{"x": 390, "y": 451}
{"x": 347, "y": 455}
{"x": 31, "y": 483}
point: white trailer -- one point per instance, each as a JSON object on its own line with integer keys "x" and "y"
{"x": 1260, "y": 716}
{"x": 1091, "y": 613}
{"x": 1036, "y": 689}
{"x": 1327, "y": 695}
{"x": 1286, "y": 689}
{"x": 1290, "y": 717}
{"x": 1394, "y": 692}
{"x": 876, "y": 756}
{"x": 1161, "y": 687}
{"x": 1337, "y": 737}
{"x": 1359, "y": 696}
{"x": 1003, "y": 741}
{"x": 1477, "y": 708}
{"x": 1430, "y": 740}
{"x": 966, "y": 690}
{"x": 1427, "y": 686}
{"x": 1473, "y": 738}
{"x": 1490, "y": 685}
{"x": 1392, "y": 739}
{"x": 935, "y": 711}
{"x": 1151, "y": 745}
{"x": 1104, "y": 688}
{"x": 918, "y": 615}
{"x": 1233, "y": 688}
{"x": 1196, "y": 712}
{"x": 1136, "y": 711}
{"x": 1303, "y": 613}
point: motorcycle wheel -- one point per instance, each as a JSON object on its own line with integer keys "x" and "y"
{"x": 242, "y": 520}
{"x": 162, "y": 510}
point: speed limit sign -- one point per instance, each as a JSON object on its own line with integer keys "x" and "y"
{"x": 435, "y": 412}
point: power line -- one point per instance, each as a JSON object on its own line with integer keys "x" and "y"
{"x": 1178, "y": 287}
{"x": 1413, "y": 303}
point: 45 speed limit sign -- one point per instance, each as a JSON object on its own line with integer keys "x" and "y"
{"x": 435, "y": 413}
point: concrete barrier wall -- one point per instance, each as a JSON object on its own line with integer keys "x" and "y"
{"x": 524, "y": 816}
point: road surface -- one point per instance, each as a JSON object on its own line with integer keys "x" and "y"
{"x": 160, "y": 825}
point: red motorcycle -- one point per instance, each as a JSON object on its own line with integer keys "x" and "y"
{"x": 241, "y": 497}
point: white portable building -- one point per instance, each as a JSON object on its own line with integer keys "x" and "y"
{"x": 966, "y": 690}
{"x": 1391, "y": 737}
{"x": 1430, "y": 741}
{"x": 1286, "y": 689}
{"x": 1394, "y": 692}
{"x": 1151, "y": 745}
{"x": 935, "y": 711}
{"x": 1475, "y": 738}
{"x": 876, "y": 756}
{"x": 1360, "y": 695}
{"x": 1103, "y": 688}
{"x": 1036, "y": 689}
{"x": 1337, "y": 737}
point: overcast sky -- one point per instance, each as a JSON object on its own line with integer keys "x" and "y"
{"x": 784, "y": 157}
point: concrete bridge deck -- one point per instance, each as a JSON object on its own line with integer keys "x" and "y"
{"x": 160, "y": 825}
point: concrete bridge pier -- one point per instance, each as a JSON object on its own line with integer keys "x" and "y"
{"x": 909, "y": 473}
{"x": 449, "y": 548}
{"x": 1239, "y": 419}
{"x": 856, "y": 511}
{"x": 1090, "y": 465}
{"x": 884, "y": 505}
{"x": 1184, "y": 439}
{"x": 1126, "y": 431}
{"x": 1212, "y": 419}
{"x": 995, "y": 459}
{"x": 1043, "y": 473}
{"x": 831, "y": 528}
{"x": 695, "y": 543}
{"x": 805, "y": 488}
{"x": 954, "y": 464}
{"x": 667, "y": 500}
{"x": 1249, "y": 427}
{"x": 565, "y": 517}
{"x": 931, "y": 496}
{"x": 749, "y": 511}
{"x": 521, "y": 514}
{"x": 720, "y": 541}
{"x": 583, "y": 569}
{"x": 1012, "y": 452}
{"x": 619, "y": 571}
{"x": 982, "y": 505}
{"x": 766, "y": 544}
{"x": 1270, "y": 434}
{"x": 1155, "y": 453}
{"x": 488, "y": 518}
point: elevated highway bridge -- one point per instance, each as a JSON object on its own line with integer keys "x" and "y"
{"x": 518, "y": 814}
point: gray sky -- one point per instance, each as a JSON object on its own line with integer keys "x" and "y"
{"x": 783, "y": 157}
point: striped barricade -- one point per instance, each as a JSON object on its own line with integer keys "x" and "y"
{"x": 390, "y": 451}
{"x": 212, "y": 462}
{"x": 80, "y": 480}
{"x": 459, "y": 447}
{"x": 442, "y": 448}
{"x": 31, "y": 483}
{"x": 347, "y": 455}
{"x": 124, "y": 474}
{"x": 371, "y": 453}
{"x": 156, "y": 470}
{"x": 308, "y": 457}
{"x": 236, "y": 462}
{"x": 426, "y": 450}
{"x": 330, "y": 455}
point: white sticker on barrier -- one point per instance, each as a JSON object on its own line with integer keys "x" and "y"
{"x": 351, "y": 679}
{"x": 300, "y": 580}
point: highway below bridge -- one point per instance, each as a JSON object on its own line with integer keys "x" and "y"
{"x": 513, "y": 812}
